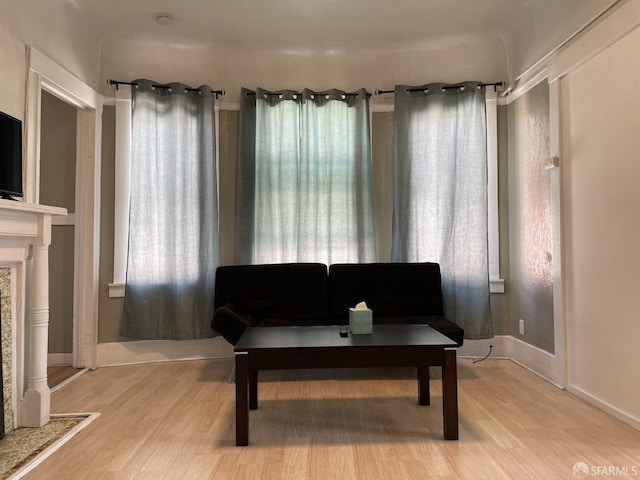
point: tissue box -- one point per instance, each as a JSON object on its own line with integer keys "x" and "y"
{"x": 360, "y": 321}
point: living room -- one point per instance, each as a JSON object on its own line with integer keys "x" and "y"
{"x": 592, "y": 210}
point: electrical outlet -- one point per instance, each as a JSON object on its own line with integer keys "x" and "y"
{"x": 521, "y": 327}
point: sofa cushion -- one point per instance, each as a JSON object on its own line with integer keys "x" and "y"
{"x": 288, "y": 292}
{"x": 390, "y": 289}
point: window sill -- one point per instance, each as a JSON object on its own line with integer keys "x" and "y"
{"x": 496, "y": 285}
{"x": 116, "y": 290}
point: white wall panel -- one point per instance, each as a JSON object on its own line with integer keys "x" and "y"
{"x": 601, "y": 190}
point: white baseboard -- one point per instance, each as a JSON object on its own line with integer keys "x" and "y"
{"x": 536, "y": 360}
{"x": 530, "y": 357}
{"x": 59, "y": 359}
{"x": 480, "y": 348}
{"x": 128, "y": 353}
{"x": 607, "y": 407}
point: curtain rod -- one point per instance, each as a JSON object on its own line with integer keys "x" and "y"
{"x": 117, "y": 83}
{"x": 495, "y": 86}
{"x": 272, "y": 94}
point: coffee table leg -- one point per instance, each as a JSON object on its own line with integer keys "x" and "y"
{"x": 242, "y": 399}
{"x": 424, "y": 397}
{"x": 450, "y": 395}
{"x": 253, "y": 389}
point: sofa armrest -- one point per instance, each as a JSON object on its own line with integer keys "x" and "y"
{"x": 230, "y": 324}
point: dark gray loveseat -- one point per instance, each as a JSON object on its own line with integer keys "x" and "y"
{"x": 306, "y": 294}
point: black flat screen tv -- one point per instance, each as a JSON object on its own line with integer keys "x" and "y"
{"x": 10, "y": 156}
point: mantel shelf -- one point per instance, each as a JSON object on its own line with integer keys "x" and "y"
{"x": 17, "y": 206}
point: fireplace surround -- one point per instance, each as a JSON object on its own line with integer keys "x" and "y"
{"x": 25, "y": 236}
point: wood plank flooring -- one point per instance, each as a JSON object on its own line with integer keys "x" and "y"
{"x": 59, "y": 373}
{"x": 176, "y": 421}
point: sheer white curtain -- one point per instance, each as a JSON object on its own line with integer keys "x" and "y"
{"x": 173, "y": 232}
{"x": 310, "y": 168}
{"x": 440, "y": 199}
{"x": 277, "y": 196}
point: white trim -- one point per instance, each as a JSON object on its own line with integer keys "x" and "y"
{"x": 47, "y": 452}
{"x": 130, "y": 353}
{"x": 532, "y": 71}
{"x": 216, "y": 120}
{"x": 535, "y": 359}
{"x": 617, "y": 25}
{"x": 557, "y": 236}
{"x": 44, "y": 74}
{"x": 32, "y": 123}
{"x": 54, "y": 359}
{"x": 122, "y": 189}
{"x": 69, "y": 380}
{"x": 607, "y": 407}
{"x": 61, "y": 82}
{"x": 479, "y": 348}
{"x": 538, "y": 361}
{"x": 116, "y": 290}
{"x": 87, "y": 237}
{"x": 496, "y": 284}
{"x": 523, "y": 88}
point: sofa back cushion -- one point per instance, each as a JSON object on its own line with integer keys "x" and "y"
{"x": 390, "y": 289}
{"x": 287, "y": 292}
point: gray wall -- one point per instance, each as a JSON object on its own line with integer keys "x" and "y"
{"x": 57, "y": 188}
{"x": 530, "y": 240}
{"x": 382, "y": 172}
{"x": 228, "y": 162}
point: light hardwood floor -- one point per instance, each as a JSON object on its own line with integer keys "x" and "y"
{"x": 59, "y": 373}
{"x": 176, "y": 421}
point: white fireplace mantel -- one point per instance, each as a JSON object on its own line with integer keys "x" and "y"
{"x": 25, "y": 236}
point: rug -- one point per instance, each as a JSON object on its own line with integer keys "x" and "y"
{"x": 23, "y": 445}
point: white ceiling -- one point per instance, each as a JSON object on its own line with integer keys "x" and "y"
{"x": 338, "y": 24}
{"x": 512, "y": 33}
{"x": 527, "y": 27}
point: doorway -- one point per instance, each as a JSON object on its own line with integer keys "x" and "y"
{"x": 58, "y": 132}
{"x": 44, "y": 75}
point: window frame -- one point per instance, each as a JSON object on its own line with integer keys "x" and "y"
{"x": 122, "y": 104}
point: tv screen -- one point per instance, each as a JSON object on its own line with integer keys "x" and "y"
{"x": 10, "y": 156}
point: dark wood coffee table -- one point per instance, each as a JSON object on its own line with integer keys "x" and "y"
{"x": 279, "y": 348}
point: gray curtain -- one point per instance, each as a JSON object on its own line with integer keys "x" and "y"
{"x": 173, "y": 220}
{"x": 305, "y": 191}
{"x": 440, "y": 199}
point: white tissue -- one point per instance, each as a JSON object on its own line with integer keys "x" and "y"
{"x": 361, "y": 306}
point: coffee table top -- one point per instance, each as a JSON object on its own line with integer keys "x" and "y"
{"x": 259, "y": 338}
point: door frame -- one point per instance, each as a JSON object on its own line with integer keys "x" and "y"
{"x": 45, "y": 74}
